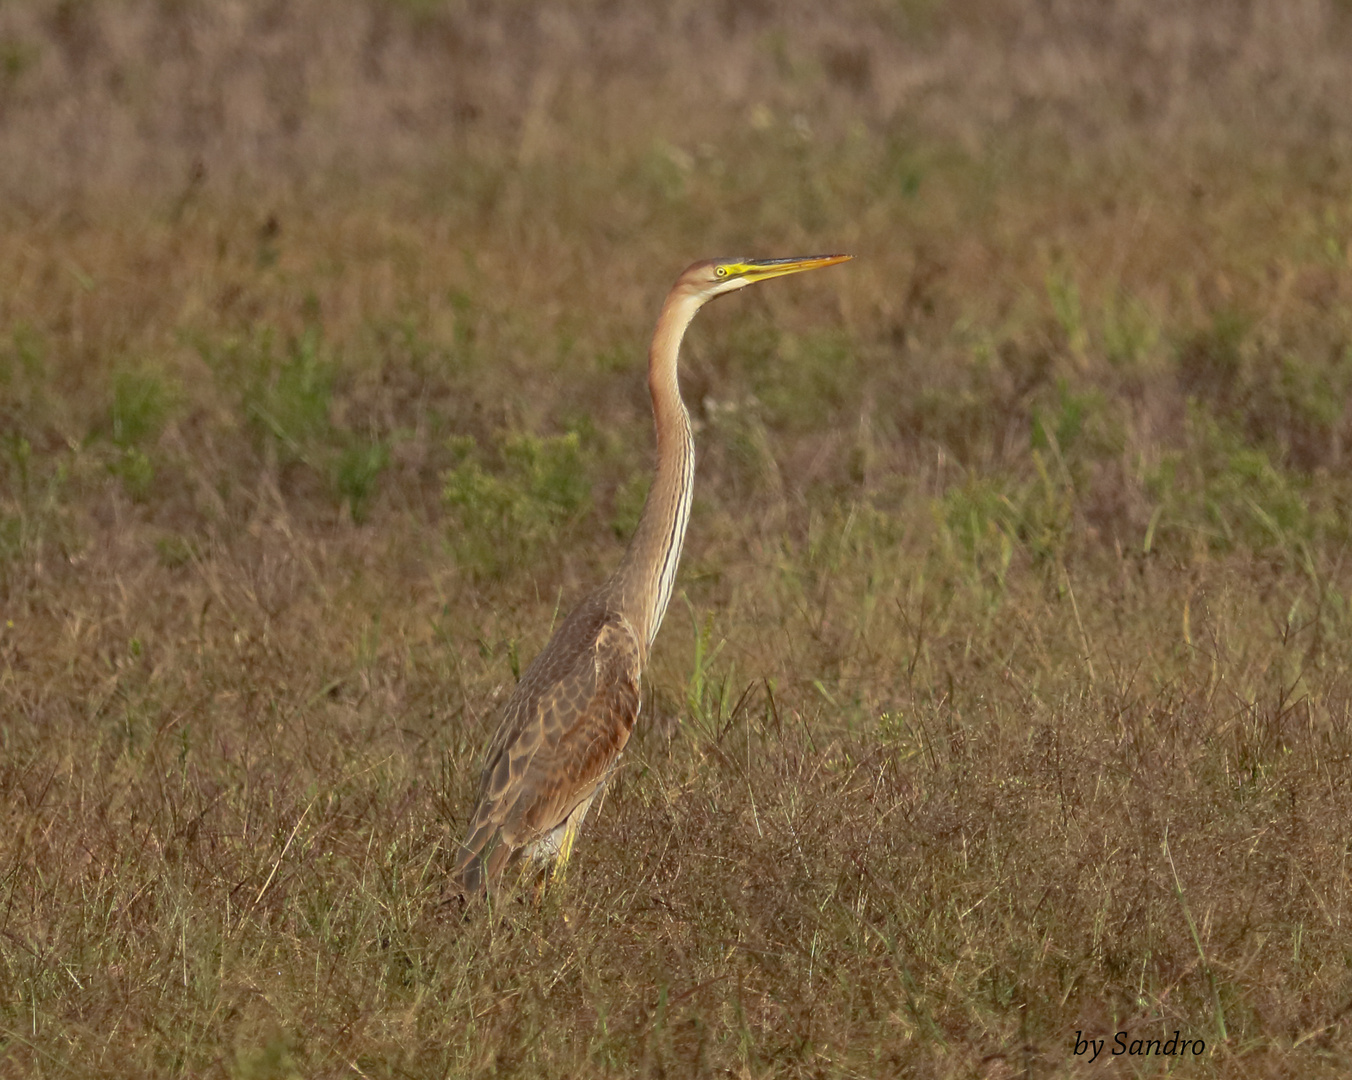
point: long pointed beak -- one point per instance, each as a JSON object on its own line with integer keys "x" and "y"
{"x": 764, "y": 269}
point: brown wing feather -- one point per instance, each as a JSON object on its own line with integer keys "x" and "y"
{"x": 561, "y": 731}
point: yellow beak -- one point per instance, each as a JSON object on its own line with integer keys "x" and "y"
{"x": 764, "y": 269}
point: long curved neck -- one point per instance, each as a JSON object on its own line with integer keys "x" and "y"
{"x": 641, "y": 585}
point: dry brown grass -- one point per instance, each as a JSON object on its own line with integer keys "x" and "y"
{"x": 1007, "y": 697}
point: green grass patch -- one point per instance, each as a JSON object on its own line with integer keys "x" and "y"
{"x": 289, "y": 394}
{"x": 510, "y": 503}
{"x": 1224, "y": 494}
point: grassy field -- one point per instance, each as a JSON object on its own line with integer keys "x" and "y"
{"x": 1005, "y": 701}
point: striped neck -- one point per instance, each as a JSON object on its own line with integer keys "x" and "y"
{"x": 641, "y": 585}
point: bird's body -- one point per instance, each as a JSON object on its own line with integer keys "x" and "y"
{"x": 569, "y": 718}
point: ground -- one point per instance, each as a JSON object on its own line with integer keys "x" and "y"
{"x": 1003, "y": 704}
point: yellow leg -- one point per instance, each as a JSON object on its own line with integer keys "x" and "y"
{"x": 570, "y": 831}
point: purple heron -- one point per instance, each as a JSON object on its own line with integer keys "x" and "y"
{"x": 564, "y": 727}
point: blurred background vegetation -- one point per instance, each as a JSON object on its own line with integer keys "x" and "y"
{"x": 1017, "y": 563}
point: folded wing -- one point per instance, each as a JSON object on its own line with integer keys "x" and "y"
{"x": 561, "y": 732}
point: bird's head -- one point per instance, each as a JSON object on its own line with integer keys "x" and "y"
{"x": 718, "y": 276}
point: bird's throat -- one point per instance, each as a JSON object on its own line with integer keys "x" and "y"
{"x": 642, "y": 584}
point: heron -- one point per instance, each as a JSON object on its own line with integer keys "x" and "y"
{"x": 566, "y": 724}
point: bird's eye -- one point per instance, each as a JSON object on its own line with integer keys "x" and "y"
{"x": 721, "y": 272}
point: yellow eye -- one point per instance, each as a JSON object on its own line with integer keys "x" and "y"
{"x": 721, "y": 272}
